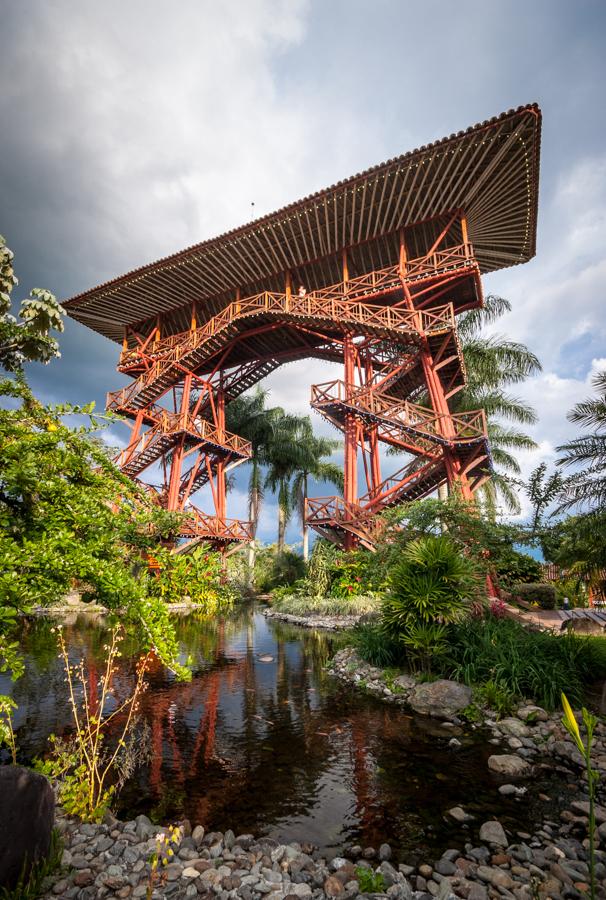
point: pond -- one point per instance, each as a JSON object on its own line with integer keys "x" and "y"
{"x": 263, "y": 740}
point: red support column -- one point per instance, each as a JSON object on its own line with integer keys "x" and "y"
{"x": 179, "y": 450}
{"x": 373, "y": 438}
{"x": 350, "y": 468}
{"x": 221, "y": 465}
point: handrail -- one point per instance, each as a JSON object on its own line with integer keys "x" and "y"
{"x": 468, "y": 425}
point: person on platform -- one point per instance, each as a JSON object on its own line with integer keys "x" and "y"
{"x": 302, "y": 291}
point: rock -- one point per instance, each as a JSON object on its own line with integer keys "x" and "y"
{"x": 493, "y": 833}
{"x": 332, "y": 886}
{"x": 384, "y": 851}
{"x": 459, "y": 815}
{"x": 445, "y": 867}
{"x": 27, "y": 816}
{"x": 532, "y": 713}
{"x": 513, "y": 790}
{"x": 442, "y": 698}
{"x": 144, "y": 828}
{"x": 404, "y": 682}
{"x": 512, "y": 766}
{"x": 198, "y": 835}
{"x": 582, "y": 807}
{"x": 567, "y": 750}
{"x": 337, "y": 863}
{"x": 513, "y": 727}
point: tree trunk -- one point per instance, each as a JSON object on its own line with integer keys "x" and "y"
{"x": 253, "y": 515}
{"x": 281, "y": 527}
{"x": 305, "y": 528}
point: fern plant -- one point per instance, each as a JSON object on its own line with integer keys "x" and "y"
{"x": 431, "y": 586}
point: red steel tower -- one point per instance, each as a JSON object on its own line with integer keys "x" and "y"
{"x": 387, "y": 260}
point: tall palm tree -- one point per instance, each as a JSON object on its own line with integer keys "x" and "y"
{"x": 249, "y": 417}
{"x": 587, "y": 487}
{"x": 493, "y": 364}
{"x": 315, "y": 449}
{"x": 285, "y": 456}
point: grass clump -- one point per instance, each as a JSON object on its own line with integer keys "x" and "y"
{"x": 512, "y": 662}
{"x": 303, "y": 604}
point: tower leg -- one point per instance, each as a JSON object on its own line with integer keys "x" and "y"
{"x": 221, "y": 486}
{"x": 179, "y": 451}
{"x": 350, "y": 469}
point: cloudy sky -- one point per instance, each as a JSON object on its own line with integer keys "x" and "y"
{"x": 133, "y": 128}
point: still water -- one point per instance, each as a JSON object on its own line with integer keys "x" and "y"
{"x": 263, "y": 740}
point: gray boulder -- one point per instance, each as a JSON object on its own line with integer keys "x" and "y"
{"x": 27, "y": 817}
{"x": 493, "y": 833}
{"x": 442, "y": 699}
{"x": 509, "y": 765}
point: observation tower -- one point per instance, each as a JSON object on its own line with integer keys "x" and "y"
{"x": 387, "y": 260}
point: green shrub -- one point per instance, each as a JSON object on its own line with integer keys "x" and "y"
{"x": 376, "y": 647}
{"x": 523, "y": 663}
{"x": 543, "y": 594}
{"x": 274, "y": 568}
{"x": 515, "y": 568}
{"x": 425, "y": 643}
{"x": 432, "y": 582}
{"x": 321, "y": 568}
{"x": 370, "y": 882}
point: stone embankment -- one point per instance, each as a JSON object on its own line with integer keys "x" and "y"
{"x": 314, "y": 620}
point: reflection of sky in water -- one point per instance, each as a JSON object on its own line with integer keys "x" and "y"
{"x": 277, "y": 747}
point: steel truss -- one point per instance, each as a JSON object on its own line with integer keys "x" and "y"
{"x": 394, "y": 330}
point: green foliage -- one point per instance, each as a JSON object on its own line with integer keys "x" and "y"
{"x": 432, "y": 582}
{"x": 577, "y": 545}
{"x": 513, "y": 567}
{"x": 68, "y": 516}
{"x": 28, "y": 340}
{"x": 586, "y": 488}
{"x": 275, "y": 568}
{"x": 542, "y": 594}
{"x": 195, "y": 576}
{"x": 355, "y": 573}
{"x": 498, "y": 697}
{"x": 7, "y": 734}
{"x": 321, "y": 569}
{"x": 542, "y": 490}
{"x": 524, "y": 663}
{"x": 30, "y": 883}
{"x": 377, "y": 647}
{"x": 425, "y": 643}
{"x": 370, "y": 882}
{"x": 488, "y": 542}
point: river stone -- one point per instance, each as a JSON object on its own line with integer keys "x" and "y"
{"x": 513, "y": 727}
{"x": 509, "y": 765}
{"x": 534, "y": 713}
{"x": 27, "y": 816}
{"x": 442, "y": 699}
{"x": 493, "y": 833}
{"x": 459, "y": 815}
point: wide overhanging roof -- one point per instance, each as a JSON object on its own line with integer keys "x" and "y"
{"x": 490, "y": 171}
